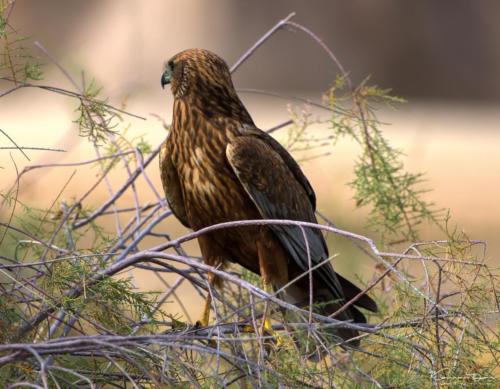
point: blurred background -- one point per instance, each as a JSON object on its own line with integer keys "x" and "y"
{"x": 443, "y": 57}
{"x": 425, "y": 49}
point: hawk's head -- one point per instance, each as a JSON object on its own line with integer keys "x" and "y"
{"x": 197, "y": 71}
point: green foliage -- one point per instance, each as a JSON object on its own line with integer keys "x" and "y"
{"x": 97, "y": 120}
{"x": 381, "y": 182}
{"x": 16, "y": 61}
{"x": 143, "y": 146}
{"x": 10, "y": 318}
{"x": 113, "y": 303}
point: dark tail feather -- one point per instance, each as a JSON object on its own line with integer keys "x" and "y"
{"x": 314, "y": 350}
{"x": 350, "y": 291}
{"x": 350, "y": 315}
{"x": 309, "y": 345}
{"x": 327, "y": 304}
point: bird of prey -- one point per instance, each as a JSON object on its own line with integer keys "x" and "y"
{"x": 217, "y": 166}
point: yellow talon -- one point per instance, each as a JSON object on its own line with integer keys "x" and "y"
{"x": 269, "y": 329}
{"x": 267, "y": 325}
{"x": 248, "y": 329}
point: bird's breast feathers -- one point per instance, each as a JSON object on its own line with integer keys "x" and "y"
{"x": 211, "y": 190}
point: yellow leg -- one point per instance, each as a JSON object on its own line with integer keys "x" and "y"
{"x": 205, "y": 315}
{"x": 273, "y": 263}
{"x": 267, "y": 323}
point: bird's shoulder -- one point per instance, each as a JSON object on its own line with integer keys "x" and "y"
{"x": 265, "y": 143}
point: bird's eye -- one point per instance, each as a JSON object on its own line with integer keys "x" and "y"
{"x": 171, "y": 65}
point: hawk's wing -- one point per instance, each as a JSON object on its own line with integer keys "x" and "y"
{"x": 287, "y": 159}
{"x": 171, "y": 185}
{"x": 279, "y": 189}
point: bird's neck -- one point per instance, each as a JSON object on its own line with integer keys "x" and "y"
{"x": 192, "y": 125}
{"x": 212, "y": 105}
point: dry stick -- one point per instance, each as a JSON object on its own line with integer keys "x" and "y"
{"x": 17, "y": 147}
{"x": 434, "y": 259}
{"x": 44, "y": 296}
{"x": 288, "y": 222}
{"x": 10, "y": 90}
{"x": 32, "y": 148}
{"x": 84, "y": 102}
{"x": 118, "y": 193}
{"x": 309, "y": 269}
{"x": 290, "y": 97}
{"x": 49, "y": 309}
{"x": 196, "y": 334}
{"x": 34, "y": 238}
{"x": 73, "y": 372}
{"x": 11, "y": 216}
{"x": 110, "y": 189}
{"x": 96, "y": 343}
{"x": 67, "y": 215}
{"x": 151, "y": 256}
{"x": 61, "y": 223}
{"x": 171, "y": 291}
{"x": 124, "y": 237}
{"x": 365, "y": 290}
{"x": 224, "y": 275}
{"x": 257, "y": 329}
{"x": 29, "y": 168}
{"x": 439, "y": 364}
{"x": 131, "y": 224}
{"x": 357, "y": 102}
{"x": 66, "y": 92}
{"x": 144, "y": 208}
{"x": 54, "y": 327}
{"x": 348, "y": 234}
{"x": 60, "y": 316}
{"x": 389, "y": 266}
{"x": 320, "y": 42}
{"x": 12, "y": 5}
{"x": 134, "y": 190}
{"x": 56, "y": 62}
{"x": 279, "y": 126}
{"x": 82, "y": 96}
{"x": 87, "y": 162}
{"x": 260, "y": 42}
{"x": 140, "y": 162}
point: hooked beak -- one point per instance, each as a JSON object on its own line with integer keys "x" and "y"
{"x": 166, "y": 77}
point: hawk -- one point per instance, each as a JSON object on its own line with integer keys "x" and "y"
{"x": 217, "y": 166}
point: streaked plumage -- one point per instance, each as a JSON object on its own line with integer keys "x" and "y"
{"x": 217, "y": 166}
